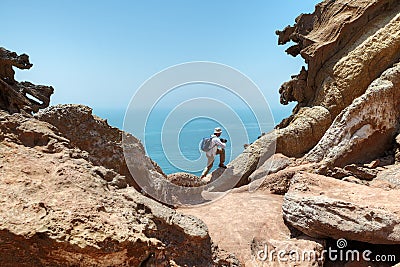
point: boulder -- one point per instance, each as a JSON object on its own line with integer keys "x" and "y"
{"x": 185, "y": 179}
{"x": 279, "y": 182}
{"x": 274, "y": 164}
{"x": 388, "y": 179}
{"x": 325, "y": 207}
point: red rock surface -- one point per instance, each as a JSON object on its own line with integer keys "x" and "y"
{"x": 243, "y": 222}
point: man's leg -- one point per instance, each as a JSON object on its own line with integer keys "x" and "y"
{"x": 210, "y": 162}
{"x": 221, "y": 153}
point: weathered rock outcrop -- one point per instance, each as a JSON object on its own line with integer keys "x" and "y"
{"x": 344, "y": 126}
{"x": 388, "y": 178}
{"x": 346, "y": 45}
{"x": 102, "y": 142}
{"x": 326, "y": 35}
{"x": 186, "y": 179}
{"x": 279, "y": 182}
{"x": 251, "y": 159}
{"x": 20, "y": 96}
{"x": 326, "y": 207}
{"x": 60, "y": 209}
{"x": 366, "y": 128}
{"x": 272, "y": 165}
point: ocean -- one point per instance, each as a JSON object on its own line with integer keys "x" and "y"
{"x": 176, "y": 148}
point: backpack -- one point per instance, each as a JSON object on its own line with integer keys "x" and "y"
{"x": 206, "y": 144}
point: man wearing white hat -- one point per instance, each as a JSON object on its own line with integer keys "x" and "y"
{"x": 217, "y": 147}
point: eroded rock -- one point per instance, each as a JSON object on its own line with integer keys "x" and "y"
{"x": 366, "y": 128}
{"x": 346, "y": 47}
{"x": 185, "y": 179}
{"x": 103, "y": 142}
{"x": 20, "y": 96}
{"x": 272, "y": 165}
{"x": 279, "y": 182}
{"x": 58, "y": 208}
{"x": 388, "y": 179}
{"x": 322, "y": 207}
{"x": 397, "y": 149}
{"x": 345, "y": 52}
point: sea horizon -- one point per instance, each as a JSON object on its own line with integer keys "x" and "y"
{"x": 189, "y": 137}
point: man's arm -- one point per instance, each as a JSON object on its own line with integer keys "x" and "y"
{"x": 219, "y": 143}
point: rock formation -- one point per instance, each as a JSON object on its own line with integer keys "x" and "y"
{"x": 342, "y": 178}
{"x": 323, "y": 207}
{"x": 185, "y": 179}
{"x": 272, "y": 165}
{"x": 59, "y": 208}
{"x": 328, "y": 172}
{"x": 102, "y": 142}
{"x": 366, "y": 128}
{"x": 347, "y": 45}
{"x": 68, "y": 199}
{"x": 20, "y": 96}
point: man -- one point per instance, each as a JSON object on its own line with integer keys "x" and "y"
{"x": 217, "y": 147}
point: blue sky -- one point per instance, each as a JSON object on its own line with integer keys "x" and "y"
{"x": 99, "y": 52}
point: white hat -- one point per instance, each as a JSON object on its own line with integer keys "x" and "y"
{"x": 217, "y": 130}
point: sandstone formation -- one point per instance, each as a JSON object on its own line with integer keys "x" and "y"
{"x": 344, "y": 131}
{"x": 388, "y": 178}
{"x": 326, "y": 207}
{"x": 279, "y": 182}
{"x": 185, "y": 179}
{"x": 20, "y": 96}
{"x": 366, "y": 128}
{"x": 272, "y": 165}
{"x": 251, "y": 159}
{"x": 102, "y": 142}
{"x": 347, "y": 45}
{"x": 70, "y": 197}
